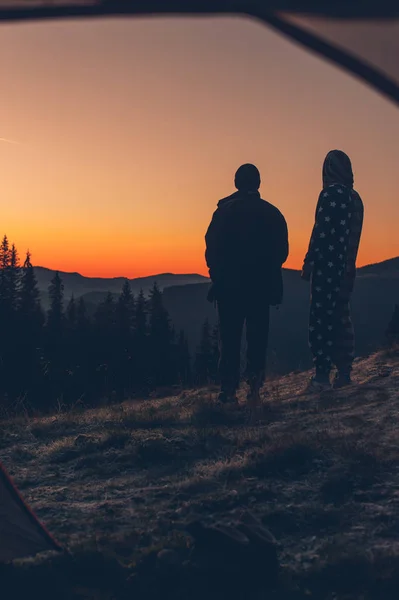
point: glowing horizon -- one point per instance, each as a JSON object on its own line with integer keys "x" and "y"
{"x": 146, "y": 273}
{"x": 118, "y": 138}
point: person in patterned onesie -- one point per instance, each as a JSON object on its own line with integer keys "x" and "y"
{"x": 330, "y": 265}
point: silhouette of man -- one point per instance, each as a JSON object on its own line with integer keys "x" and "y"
{"x": 330, "y": 265}
{"x": 246, "y": 246}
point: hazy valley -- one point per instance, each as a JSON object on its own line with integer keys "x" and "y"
{"x": 376, "y": 293}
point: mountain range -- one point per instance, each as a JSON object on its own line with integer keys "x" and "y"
{"x": 376, "y": 293}
{"x": 94, "y": 289}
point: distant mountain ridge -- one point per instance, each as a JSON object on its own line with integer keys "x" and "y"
{"x": 376, "y": 293}
{"x": 386, "y": 266}
{"x": 94, "y": 288}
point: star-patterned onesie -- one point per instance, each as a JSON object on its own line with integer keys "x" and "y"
{"x": 330, "y": 326}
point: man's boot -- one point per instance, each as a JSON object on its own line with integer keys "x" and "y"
{"x": 253, "y": 397}
{"x": 228, "y": 397}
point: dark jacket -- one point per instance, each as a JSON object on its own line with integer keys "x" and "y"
{"x": 246, "y": 245}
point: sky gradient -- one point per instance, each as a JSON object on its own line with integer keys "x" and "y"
{"x": 123, "y": 134}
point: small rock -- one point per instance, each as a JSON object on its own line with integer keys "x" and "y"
{"x": 182, "y": 509}
{"x": 83, "y": 440}
{"x": 180, "y": 442}
{"x": 217, "y": 536}
{"x": 168, "y": 558}
{"x": 182, "y": 496}
{"x": 384, "y": 371}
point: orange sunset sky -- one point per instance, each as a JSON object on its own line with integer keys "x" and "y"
{"x": 125, "y": 133}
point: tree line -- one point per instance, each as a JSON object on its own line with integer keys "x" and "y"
{"x": 127, "y": 347}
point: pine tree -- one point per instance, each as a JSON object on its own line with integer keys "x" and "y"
{"x": 81, "y": 315}
{"x": 104, "y": 341}
{"x": 28, "y": 294}
{"x": 71, "y": 314}
{"x": 56, "y": 353}
{"x": 73, "y": 343}
{"x": 71, "y": 338}
{"x": 85, "y": 357}
{"x": 5, "y": 261}
{"x": 105, "y": 315}
{"x": 30, "y": 321}
{"x": 204, "y": 360}
{"x": 9, "y": 326}
{"x": 125, "y": 311}
{"x": 392, "y": 332}
{"x": 105, "y": 330}
{"x": 14, "y": 258}
{"x": 5, "y": 254}
{"x": 82, "y": 319}
{"x": 159, "y": 325}
{"x": 215, "y": 353}
{"x": 183, "y": 360}
{"x": 141, "y": 318}
{"x": 13, "y": 277}
{"x": 160, "y": 341}
{"x": 55, "y": 317}
{"x": 83, "y": 328}
{"x": 126, "y": 295}
{"x": 124, "y": 343}
{"x": 140, "y": 343}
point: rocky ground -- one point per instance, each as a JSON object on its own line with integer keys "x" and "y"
{"x": 178, "y": 497}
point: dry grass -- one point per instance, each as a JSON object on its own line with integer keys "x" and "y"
{"x": 117, "y": 484}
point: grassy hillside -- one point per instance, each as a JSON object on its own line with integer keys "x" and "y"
{"x": 123, "y": 486}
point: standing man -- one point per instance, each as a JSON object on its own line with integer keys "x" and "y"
{"x": 246, "y": 246}
{"x": 330, "y": 265}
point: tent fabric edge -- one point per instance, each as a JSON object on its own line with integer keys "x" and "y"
{"x": 266, "y": 14}
{"x": 8, "y": 482}
{"x": 364, "y": 71}
{"x": 340, "y": 9}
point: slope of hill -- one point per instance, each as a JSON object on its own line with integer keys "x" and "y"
{"x": 387, "y": 267}
{"x": 374, "y": 298}
{"x": 121, "y": 487}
